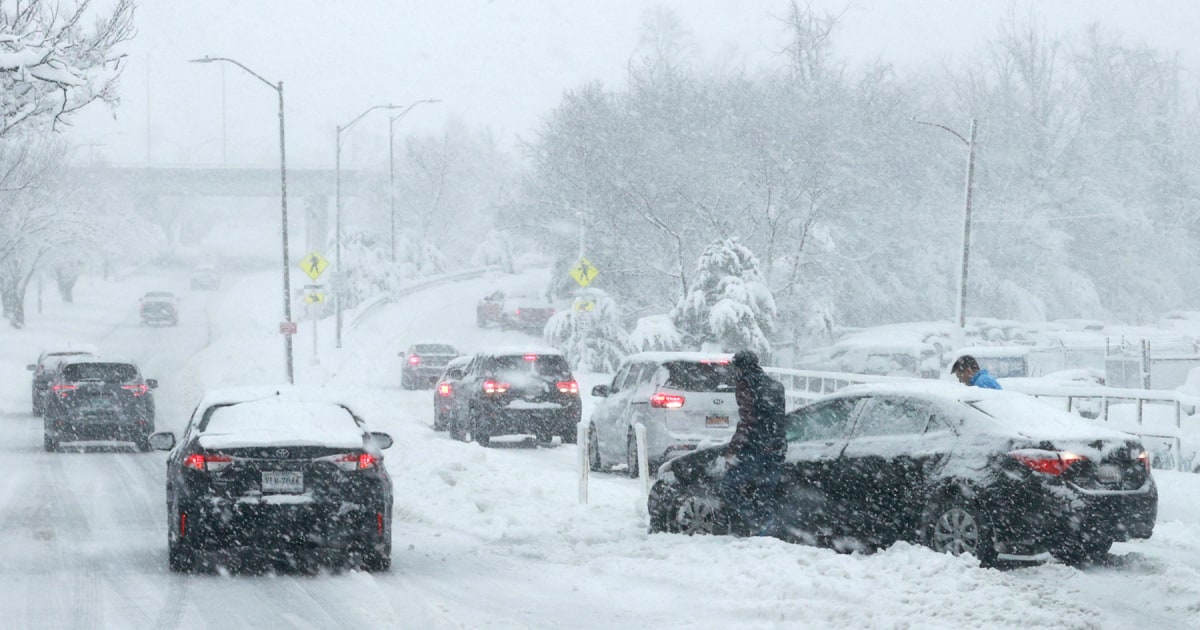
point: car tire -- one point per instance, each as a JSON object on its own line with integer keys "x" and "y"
{"x": 377, "y": 558}
{"x": 439, "y": 421}
{"x": 595, "y": 462}
{"x": 631, "y": 459}
{"x": 479, "y": 432}
{"x": 956, "y": 525}
{"x": 181, "y": 556}
{"x": 457, "y": 431}
{"x": 1077, "y": 551}
{"x": 569, "y": 433}
{"x": 699, "y": 512}
{"x": 50, "y": 443}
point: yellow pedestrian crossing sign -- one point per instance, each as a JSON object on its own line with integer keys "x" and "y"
{"x": 584, "y": 306}
{"x": 315, "y": 297}
{"x": 313, "y": 264}
{"x": 584, "y": 272}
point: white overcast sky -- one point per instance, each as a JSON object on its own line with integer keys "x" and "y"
{"x": 497, "y": 63}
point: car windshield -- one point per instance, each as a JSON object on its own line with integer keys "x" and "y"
{"x": 549, "y": 365}
{"x": 700, "y": 376}
{"x": 108, "y": 372}
{"x": 434, "y": 348}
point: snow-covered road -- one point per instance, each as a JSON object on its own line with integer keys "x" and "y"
{"x": 482, "y": 537}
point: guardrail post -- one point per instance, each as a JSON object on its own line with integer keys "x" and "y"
{"x": 639, "y": 433}
{"x": 581, "y": 440}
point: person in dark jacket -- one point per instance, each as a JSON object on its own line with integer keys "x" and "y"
{"x": 968, "y": 372}
{"x": 754, "y": 457}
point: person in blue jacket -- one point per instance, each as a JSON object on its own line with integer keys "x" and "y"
{"x": 967, "y": 370}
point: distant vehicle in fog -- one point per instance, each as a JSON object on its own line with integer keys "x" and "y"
{"x": 424, "y": 362}
{"x": 93, "y": 400}
{"x": 522, "y": 391}
{"x": 205, "y": 277}
{"x": 278, "y": 471}
{"x": 443, "y": 394}
{"x": 46, "y": 370}
{"x": 159, "y": 308}
{"x": 517, "y": 310}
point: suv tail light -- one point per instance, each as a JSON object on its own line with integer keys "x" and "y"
{"x": 666, "y": 401}
{"x": 136, "y": 390}
{"x": 210, "y": 462}
{"x": 1052, "y": 463}
{"x": 413, "y": 359}
{"x": 443, "y": 389}
{"x": 1144, "y": 458}
{"x": 355, "y": 461}
{"x": 568, "y": 387}
{"x": 492, "y": 386}
{"x": 63, "y": 390}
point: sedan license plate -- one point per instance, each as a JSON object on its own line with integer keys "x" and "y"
{"x": 1108, "y": 473}
{"x": 282, "y": 481}
{"x": 716, "y": 421}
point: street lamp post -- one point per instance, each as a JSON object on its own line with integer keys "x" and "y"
{"x": 337, "y": 260}
{"x": 392, "y": 166}
{"x": 966, "y": 242}
{"x": 287, "y": 285}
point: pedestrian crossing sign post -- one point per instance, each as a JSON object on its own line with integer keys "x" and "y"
{"x": 313, "y": 264}
{"x": 583, "y": 272}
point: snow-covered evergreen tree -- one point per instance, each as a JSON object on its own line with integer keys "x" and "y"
{"x": 590, "y": 332}
{"x": 729, "y": 303}
{"x": 655, "y": 333}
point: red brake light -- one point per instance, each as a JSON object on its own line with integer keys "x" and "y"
{"x": 443, "y": 389}
{"x": 494, "y": 387}
{"x": 1144, "y": 457}
{"x": 666, "y": 401}
{"x": 414, "y": 359}
{"x": 568, "y": 387}
{"x": 137, "y": 390}
{"x": 355, "y": 461}
{"x": 207, "y": 463}
{"x": 518, "y": 312}
{"x": 530, "y": 357}
{"x": 63, "y": 390}
{"x": 1047, "y": 462}
{"x": 366, "y": 460}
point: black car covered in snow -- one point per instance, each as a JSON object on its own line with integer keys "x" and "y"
{"x": 90, "y": 400}
{"x": 291, "y": 474}
{"x": 516, "y": 391}
{"x": 996, "y": 474}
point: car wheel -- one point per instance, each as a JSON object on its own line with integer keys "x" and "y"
{"x": 631, "y": 458}
{"x": 700, "y": 512}
{"x": 181, "y": 557}
{"x": 439, "y": 421}
{"x": 593, "y": 450}
{"x": 570, "y": 433}
{"x": 49, "y": 443}
{"x": 1079, "y": 551}
{"x": 479, "y": 430}
{"x": 957, "y": 526}
{"x": 457, "y": 431}
{"x": 377, "y": 557}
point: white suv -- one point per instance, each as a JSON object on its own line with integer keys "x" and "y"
{"x": 685, "y": 399}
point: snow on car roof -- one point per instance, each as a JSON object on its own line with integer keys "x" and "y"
{"x": 530, "y": 349}
{"x": 245, "y": 393}
{"x": 72, "y": 348}
{"x": 1004, "y": 410}
{"x": 663, "y": 356}
{"x": 282, "y": 421}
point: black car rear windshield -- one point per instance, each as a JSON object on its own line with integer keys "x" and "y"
{"x": 698, "y": 376}
{"x": 551, "y": 365}
{"x": 434, "y": 348}
{"x": 108, "y": 372}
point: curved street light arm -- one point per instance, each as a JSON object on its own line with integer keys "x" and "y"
{"x": 414, "y": 104}
{"x": 943, "y": 127}
{"x": 346, "y": 127}
{"x": 207, "y": 59}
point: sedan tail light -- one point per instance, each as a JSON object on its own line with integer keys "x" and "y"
{"x": 63, "y": 390}
{"x": 207, "y": 462}
{"x": 491, "y": 386}
{"x": 355, "y": 461}
{"x": 666, "y": 401}
{"x": 1052, "y": 463}
{"x": 1144, "y": 458}
{"x": 443, "y": 389}
{"x": 137, "y": 390}
{"x": 568, "y": 387}
{"x": 413, "y": 359}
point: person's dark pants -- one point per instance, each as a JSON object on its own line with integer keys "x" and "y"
{"x": 748, "y": 490}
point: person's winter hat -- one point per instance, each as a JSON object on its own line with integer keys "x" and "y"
{"x": 745, "y": 359}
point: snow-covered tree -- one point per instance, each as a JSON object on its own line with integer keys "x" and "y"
{"x": 53, "y": 63}
{"x": 729, "y": 303}
{"x": 366, "y": 270}
{"x": 590, "y": 332}
{"x": 496, "y": 249}
{"x": 654, "y": 333}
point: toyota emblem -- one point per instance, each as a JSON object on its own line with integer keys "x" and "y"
{"x": 282, "y": 453}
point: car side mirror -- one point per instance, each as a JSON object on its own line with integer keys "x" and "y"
{"x": 32, "y": 367}
{"x": 600, "y": 391}
{"x": 162, "y": 441}
{"x": 382, "y": 440}
{"x": 152, "y": 383}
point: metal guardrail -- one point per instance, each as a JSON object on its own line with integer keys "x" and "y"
{"x": 418, "y": 285}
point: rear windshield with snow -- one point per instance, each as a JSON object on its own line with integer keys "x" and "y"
{"x": 107, "y": 372}
{"x": 277, "y": 421}
{"x": 700, "y": 376}
{"x": 434, "y": 348}
{"x": 548, "y": 365}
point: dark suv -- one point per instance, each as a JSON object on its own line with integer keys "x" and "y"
{"x": 97, "y": 400}
{"x": 424, "y": 363}
{"x": 516, "y": 392}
